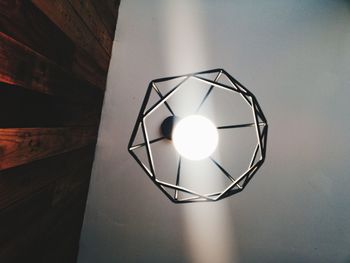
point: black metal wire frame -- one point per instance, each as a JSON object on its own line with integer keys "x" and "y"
{"x": 237, "y": 184}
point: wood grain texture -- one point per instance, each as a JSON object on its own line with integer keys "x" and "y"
{"x": 29, "y": 220}
{"x": 43, "y": 37}
{"x": 113, "y": 5}
{"x": 54, "y": 60}
{"x": 22, "y": 181}
{"x": 26, "y": 108}
{"x": 46, "y": 38}
{"x": 23, "y": 67}
{"x": 66, "y": 18}
{"x": 84, "y": 66}
{"x": 23, "y": 145}
{"x": 90, "y": 17}
{"x": 26, "y": 211}
{"x": 108, "y": 14}
{"x": 46, "y": 226}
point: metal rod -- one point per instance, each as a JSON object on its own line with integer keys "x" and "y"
{"x": 239, "y": 88}
{"x": 208, "y": 92}
{"x": 264, "y": 140}
{"x": 224, "y": 172}
{"x": 238, "y": 180}
{"x": 237, "y": 83}
{"x": 256, "y": 127}
{"x": 245, "y": 98}
{"x": 196, "y": 197}
{"x": 252, "y": 124}
{"x": 161, "y": 97}
{"x": 148, "y": 148}
{"x": 178, "y": 178}
{"x": 162, "y": 188}
{"x": 143, "y": 166}
{"x": 188, "y": 75}
{"x": 254, "y": 155}
{"x": 183, "y": 189}
{"x": 139, "y": 117}
{"x": 250, "y": 176}
{"x": 218, "y": 85}
{"x": 165, "y": 98}
{"x": 134, "y": 147}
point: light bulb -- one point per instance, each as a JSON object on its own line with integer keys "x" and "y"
{"x": 195, "y": 137}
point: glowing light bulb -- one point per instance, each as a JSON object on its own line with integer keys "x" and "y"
{"x": 195, "y": 137}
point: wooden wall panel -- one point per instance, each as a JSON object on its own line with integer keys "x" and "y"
{"x": 36, "y": 229}
{"x": 45, "y": 38}
{"x": 26, "y": 108}
{"x": 19, "y": 146}
{"x": 54, "y": 61}
{"x": 66, "y": 18}
{"x": 24, "y": 67}
{"x": 18, "y": 183}
{"x": 108, "y": 13}
{"x": 94, "y": 23}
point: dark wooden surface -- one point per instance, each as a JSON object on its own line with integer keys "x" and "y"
{"x": 54, "y": 61}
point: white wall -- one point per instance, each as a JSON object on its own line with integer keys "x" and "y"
{"x": 295, "y": 57}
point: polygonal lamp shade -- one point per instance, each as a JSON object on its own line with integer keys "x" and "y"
{"x": 237, "y": 116}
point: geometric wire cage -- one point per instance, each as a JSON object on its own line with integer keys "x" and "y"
{"x": 174, "y": 190}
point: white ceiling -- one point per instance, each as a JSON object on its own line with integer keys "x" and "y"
{"x": 295, "y": 57}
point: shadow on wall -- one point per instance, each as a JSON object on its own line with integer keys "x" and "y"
{"x": 207, "y": 227}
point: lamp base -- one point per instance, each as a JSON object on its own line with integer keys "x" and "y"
{"x": 167, "y": 126}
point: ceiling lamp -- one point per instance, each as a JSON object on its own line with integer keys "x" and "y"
{"x": 188, "y": 128}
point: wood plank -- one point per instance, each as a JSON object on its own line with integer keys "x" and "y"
{"x": 23, "y": 145}
{"x": 59, "y": 246}
{"x": 34, "y": 232}
{"x": 54, "y": 61}
{"x": 85, "y": 67}
{"x": 18, "y": 183}
{"x": 107, "y": 15}
{"x": 46, "y": 38}
{"x": 64, "y": 16}
{"x": 17, "y": 219}
{"x": 113, "y": 5}
{"x": 88, "y": 14}
{"x": 51, "y": 194}
{"x": 23, "y": 67}
{"x": 43, "y": 37}
{"x": 26, "y": 108}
